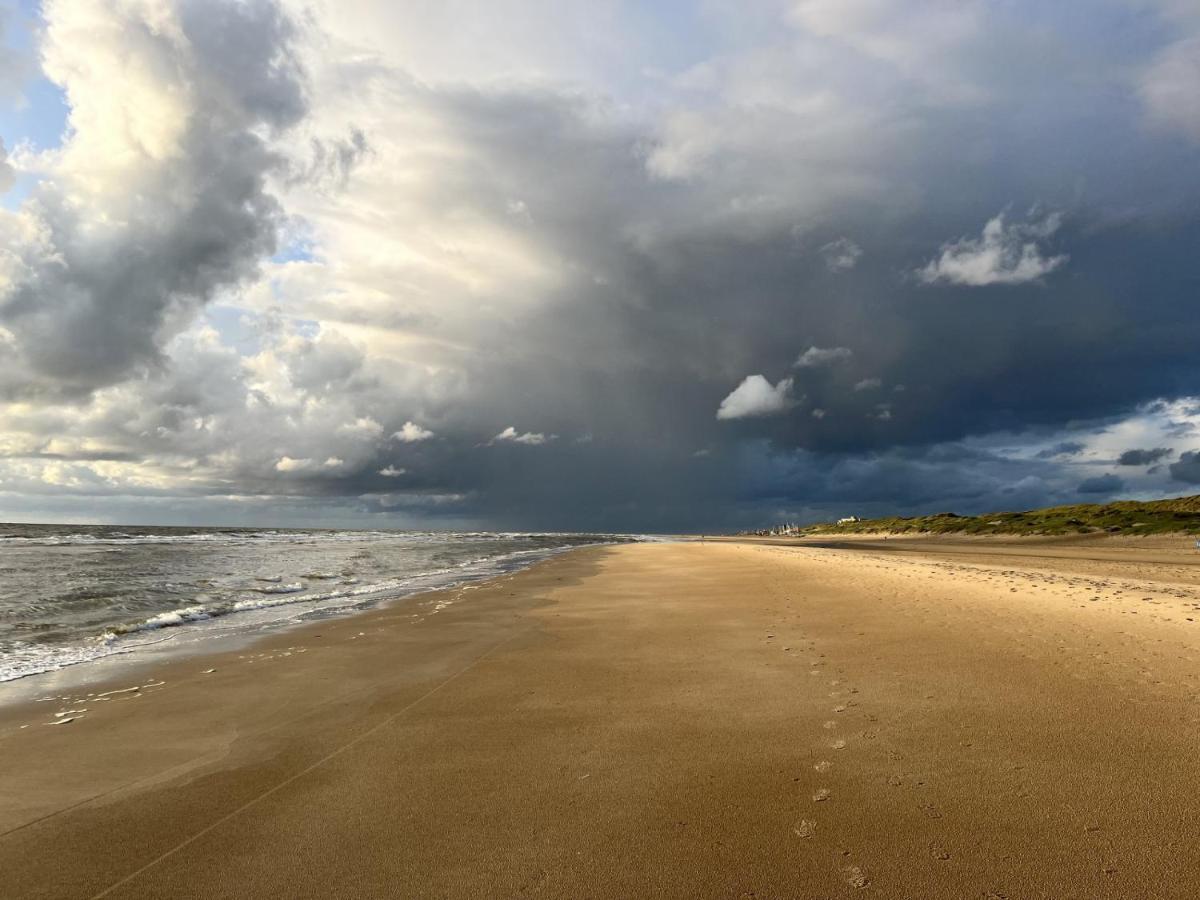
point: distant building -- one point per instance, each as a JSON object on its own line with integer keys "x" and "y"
{"x": 849, "y": 520}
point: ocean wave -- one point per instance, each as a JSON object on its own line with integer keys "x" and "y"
{"x": 282, "y": 588}
{"x": 20, "y": 659}
{"x": 105, "y": 537}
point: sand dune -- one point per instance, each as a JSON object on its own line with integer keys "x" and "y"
{"x": 684, "y": 720}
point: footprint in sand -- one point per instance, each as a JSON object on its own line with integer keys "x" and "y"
{"x": 838, "y": 745}
{"x": 823, "y": 766}
{"x": 820, "y": 795}
{"x": 856, "y": 877}
{"x": 805, "y": 828}
{"x": 829, "y": 724}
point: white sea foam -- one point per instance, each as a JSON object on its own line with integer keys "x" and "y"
{"x": 282, "y": 588}
{"x": 117, "y": 538}
{"x": 263, "y": 604}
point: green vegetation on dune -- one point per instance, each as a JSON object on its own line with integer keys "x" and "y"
{"x": 1121, "y": 517}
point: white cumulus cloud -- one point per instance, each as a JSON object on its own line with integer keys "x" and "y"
{"x": 841, "y": 255}
{"x": 411, "y": 433}
{"x": 816, "y": 357}
{"x": 756, "y": 396}
{"x": 288, "y": 464}
{"x": 1003, "y": 254}
{"x": 533, "y": 438}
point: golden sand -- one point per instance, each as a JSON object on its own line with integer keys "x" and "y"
{"x": 655, "y": 720}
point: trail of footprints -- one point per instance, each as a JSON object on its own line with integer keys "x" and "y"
{"x": 1033, "y": 634}
{"x": 807, "y": 825}
{"x": 854, "y": 875}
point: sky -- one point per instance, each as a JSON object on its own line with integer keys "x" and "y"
{"x": 595, "y": 265}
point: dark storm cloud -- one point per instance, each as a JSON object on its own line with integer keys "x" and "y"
{"x": 1187, "y": 469}
{"x": 661, "y": 259}
{"x": 1143, "y": 457}
{"x": 1065, "y": 448}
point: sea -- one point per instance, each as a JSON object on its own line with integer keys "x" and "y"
{"x": 75, "y": 594}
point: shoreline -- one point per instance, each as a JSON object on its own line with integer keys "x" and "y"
{"x": 704, "y": 719}
{"x": 198, "y": 638}
{"x": 225, "y": 676}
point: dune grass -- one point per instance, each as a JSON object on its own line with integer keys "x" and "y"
{"x": 1179, "y": 515}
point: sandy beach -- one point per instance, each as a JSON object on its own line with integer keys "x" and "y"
{"x": 723, "y": 719}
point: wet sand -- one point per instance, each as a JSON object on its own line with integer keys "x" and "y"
{"x": 682, "y": 720}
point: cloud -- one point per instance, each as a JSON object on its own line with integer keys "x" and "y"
{"x": 841, "y": 255}
{"x": 288, "y": 464}
{"x": 251, "y": 240}
{"x": 7, "y": 175}
{"x": 391, "y": 471}
{"x": 1063, "y": 448}
{"x": 816, "y": 357}
{"x": 1187, "y": 468}
{"x": 1003, "y": 254}
{"x": 755, "y": 396}
{"x": 411, "y": 433}
{"x": 1101, "y": 484}
{"x": 868, "y": 384}
{"x": 532, "y": 438}
{"x": 364, "y": 426}
{"x": 159, "y": 196}
{"x": 1170, "y": 87}
{"x": 1139, "y": 457}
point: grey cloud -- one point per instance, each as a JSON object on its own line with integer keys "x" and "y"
{"x": 1101, "y": 484}
{"x": 1171, "y": 87}
{"x": 1065, "y": 448}
{"x": 332, "y": 160}
{"x": 1187, "y": 468}
{"x": 841, "y": 255}
{"x": 7, "y": 175}
{"x": 1143, "y": 457}
{"x": 93, "y": 302}
{"x": 652, "y": 266}
{"x": 913, "y": 481}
